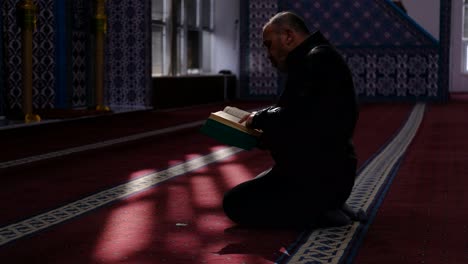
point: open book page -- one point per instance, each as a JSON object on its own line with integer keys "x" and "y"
{"x": 239, "y": 113}
{"x": 226, "y": 116}
{"x": 231, "y": 117}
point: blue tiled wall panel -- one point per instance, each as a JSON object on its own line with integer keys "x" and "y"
{"x": 128, "y": 54}
{"x": 360, "y": 22}
{"x": 81, "y": 52}
{"x": 258, "y": 77}
{"x": 395, "y": 73}
{"x": 392, "y": 58}
{"x": 43, "y": 56}
{"x": 2, "y": 73}
{"x": 61, "y": 60}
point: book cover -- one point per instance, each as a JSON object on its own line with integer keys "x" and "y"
{"x": 224, "y": 126}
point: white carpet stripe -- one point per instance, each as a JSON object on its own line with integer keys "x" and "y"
{"x": 102, "y": 144}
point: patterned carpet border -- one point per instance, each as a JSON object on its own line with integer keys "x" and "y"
{"x": 53, "y": 217}
{"x": 333, "y": 245}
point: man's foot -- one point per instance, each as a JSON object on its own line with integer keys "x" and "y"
{"x": 359, "y": 216}
{"x": 334, "y": 218}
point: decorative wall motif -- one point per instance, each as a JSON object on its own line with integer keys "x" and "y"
{"x": 128, "y": 53}
{"x": 128, "y": 57}
{"x": 2, "y": 76}
{"x": 263, "y": 76}
{"x": 389, "y": 66}
{"x": 13, "y": 56}
{"x": 359, "y": 23}
{"x": 394, "y": 72}
{"x": 44, "y": 61}
{"x": 43, "y": 56}
{"x": 361, "y": 39}
{"x": 390, "y": 55}
{"x": 81, "y": 17}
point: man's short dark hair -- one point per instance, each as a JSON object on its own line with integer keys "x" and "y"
{"x": 291, "y": 20}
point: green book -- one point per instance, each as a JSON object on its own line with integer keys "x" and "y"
{"x": 224, "y": 126}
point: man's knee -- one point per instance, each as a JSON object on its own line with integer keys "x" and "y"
{"x": 231, "y": 206}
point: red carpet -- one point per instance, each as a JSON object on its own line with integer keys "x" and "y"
{"x": 179, "y": 221}
{"x": 53, "y": 136}
{"x": 424, "y": 216}
{"x": 376, "y": 125}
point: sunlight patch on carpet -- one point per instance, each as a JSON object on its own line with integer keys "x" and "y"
{"x": 48, "y": 219}
{"x": 126, "y": 231}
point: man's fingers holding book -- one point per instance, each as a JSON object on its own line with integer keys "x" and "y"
{"x": 247, "y": 119}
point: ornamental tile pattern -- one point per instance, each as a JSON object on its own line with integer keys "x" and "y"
{"x": 2, "y": 85}
{"x": 263, "y": 76}
{"x": 128, "y": 53}
{"x": 81, "y": 13}
{"x": 372, "y": 35}
{"x": 43, "y": 56}
{"x": 360, "y": 23}
{"x": 394, "y": 72}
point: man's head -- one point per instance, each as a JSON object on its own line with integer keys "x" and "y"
{"x": 281, "y": 34}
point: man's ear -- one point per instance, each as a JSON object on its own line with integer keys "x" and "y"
{"x": 290, "y": 36}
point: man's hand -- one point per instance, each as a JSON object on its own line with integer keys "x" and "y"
{"x": 247, "y": 119}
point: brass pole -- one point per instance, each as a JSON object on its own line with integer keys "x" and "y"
{"x": 101, "y": 29}
{"x": 27, "y": 17}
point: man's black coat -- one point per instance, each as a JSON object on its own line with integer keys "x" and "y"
{"x": 309, "y": 131}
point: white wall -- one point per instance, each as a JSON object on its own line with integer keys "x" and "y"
{"x": 458, "y": 79}
{"x": 426, "y": 13}
{"x": 226, "y": 52}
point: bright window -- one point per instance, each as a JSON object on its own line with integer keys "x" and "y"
{"x": 181, "y": 36}
{"x": 158, "y": 48}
